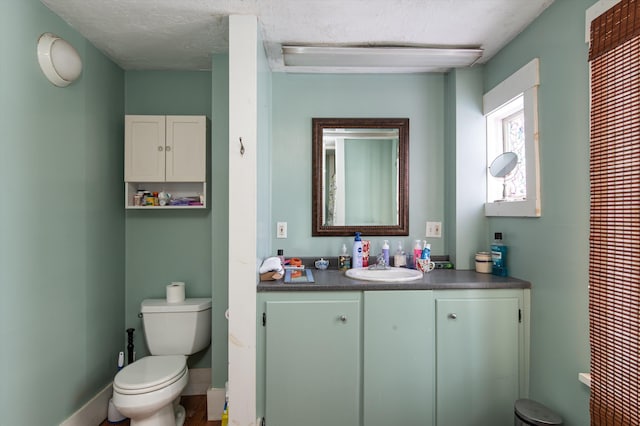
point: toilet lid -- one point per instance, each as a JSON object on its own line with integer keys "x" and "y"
{"x": 150, "y": 373}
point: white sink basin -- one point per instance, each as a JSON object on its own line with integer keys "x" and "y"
{"x": 389, "y": 275}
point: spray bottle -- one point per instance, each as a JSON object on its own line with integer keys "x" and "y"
{"x": 225, "y": 414}
{"x": 225, "y": 410}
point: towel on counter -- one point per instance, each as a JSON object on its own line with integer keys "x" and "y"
{"x": 271, "y": 269}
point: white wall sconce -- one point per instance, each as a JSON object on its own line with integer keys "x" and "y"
{"x": 59, "y": 61}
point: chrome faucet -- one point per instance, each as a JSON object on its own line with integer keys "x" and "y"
{"x": 380, "y": 263}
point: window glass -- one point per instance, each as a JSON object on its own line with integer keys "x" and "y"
{"x": 513, "y": 141}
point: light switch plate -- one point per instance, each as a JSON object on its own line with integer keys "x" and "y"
{"x": 281, "y": 230}
{"x": 434, "y": 229}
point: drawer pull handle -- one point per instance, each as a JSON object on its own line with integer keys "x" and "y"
{"x": 452, "y": 316}
{"x": 343, "y": 318}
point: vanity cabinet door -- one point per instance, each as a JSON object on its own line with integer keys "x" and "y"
{"x": 399, "y": 358}
{"x": 477, "y": 360}
{"x": 313, "y": 362}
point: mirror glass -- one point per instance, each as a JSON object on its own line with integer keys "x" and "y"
{"x": 360, "y": 176}
{"x": 500, "y": 167}
{"x": 503, "y": 164}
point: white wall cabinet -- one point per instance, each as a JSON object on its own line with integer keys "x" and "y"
{"x": 165, "y": 153}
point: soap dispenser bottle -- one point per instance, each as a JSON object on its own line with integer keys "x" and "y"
{"x": 417, "y": 252}
{"x": 385, "y": 252}
{"x": 357, "y": 251}
{"x": 344, "y": 260}
{"x": 399, "y": 259}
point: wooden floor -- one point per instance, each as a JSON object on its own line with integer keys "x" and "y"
{"x": 196, "y": 407}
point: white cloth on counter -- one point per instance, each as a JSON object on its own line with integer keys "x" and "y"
{"x": 271, "y": 264}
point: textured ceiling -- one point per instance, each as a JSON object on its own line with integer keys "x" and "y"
{"x": 182, "y": 34}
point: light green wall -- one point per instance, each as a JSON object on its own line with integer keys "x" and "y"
{"x": 61, "y": 224}
{"x": 552, "y": 251}
{"x": 299, "y": 98}
{"x": 168, "y": 245}
{"x": 219, "y": 215}
{"x": 449, "y": 228}
{"x": 264, "y": 225}
{"x": 466, "y": 171}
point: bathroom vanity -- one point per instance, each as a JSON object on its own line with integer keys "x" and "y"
{"x": 449, "y": 349}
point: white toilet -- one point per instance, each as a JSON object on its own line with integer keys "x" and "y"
{"x": 148, "y": 390}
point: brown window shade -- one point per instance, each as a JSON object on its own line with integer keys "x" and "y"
{"x": 614, "y": 263}
{"x": 614, "y": 27}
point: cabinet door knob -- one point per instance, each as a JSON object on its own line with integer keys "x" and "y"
{"x": 167, "y": 148}
{"x": 343, "y": 318}
{"x": 160, "y": 148}
{"x": 452, "y": 316}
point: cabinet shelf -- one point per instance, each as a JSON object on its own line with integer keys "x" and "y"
{"x": 176, "y": 189}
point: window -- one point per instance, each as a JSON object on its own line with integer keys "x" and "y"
{"x": 511, "y": 112}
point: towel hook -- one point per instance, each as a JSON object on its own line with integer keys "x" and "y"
{"x": 241, "y": 148}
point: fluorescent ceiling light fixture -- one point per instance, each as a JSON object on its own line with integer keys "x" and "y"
{"x": 417, "y": 59}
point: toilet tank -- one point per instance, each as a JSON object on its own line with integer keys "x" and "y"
{"x": 182, "y": 328}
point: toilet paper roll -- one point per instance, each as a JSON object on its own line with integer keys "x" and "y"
{"x": 175, "y": 292}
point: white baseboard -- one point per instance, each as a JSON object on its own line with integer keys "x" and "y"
{"x": 215, "y": 403}
{"x": 95, "y": 410}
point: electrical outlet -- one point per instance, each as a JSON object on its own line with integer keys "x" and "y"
{"x": 434, "y": 229}
{"x": 281, "y": 230}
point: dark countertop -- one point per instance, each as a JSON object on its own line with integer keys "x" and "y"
{"x": 438, "y": 279}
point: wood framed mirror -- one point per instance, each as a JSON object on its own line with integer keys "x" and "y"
{"x": 360, "y": 178}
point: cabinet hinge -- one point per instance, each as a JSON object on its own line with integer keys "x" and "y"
{"x": 264, "y": 319}
{"x": 519, "y": 315}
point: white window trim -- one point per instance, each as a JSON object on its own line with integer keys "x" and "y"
{"x": 525, "y": 81}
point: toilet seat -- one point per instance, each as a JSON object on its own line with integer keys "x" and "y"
{"x": 150, "y": 374}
